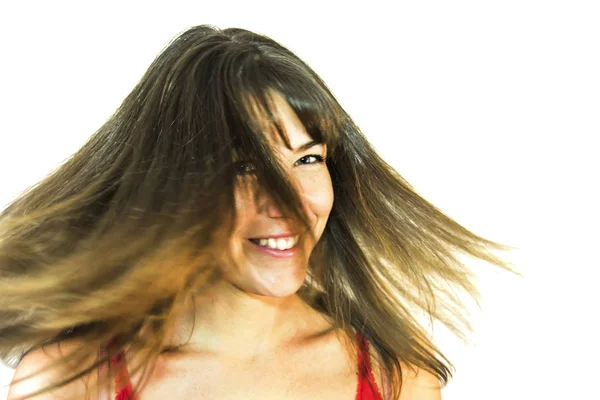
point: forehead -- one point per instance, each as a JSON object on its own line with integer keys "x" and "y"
{"x": 290, "y": 124}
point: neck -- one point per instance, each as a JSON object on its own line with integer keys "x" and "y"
{"x": 227, "y": 321}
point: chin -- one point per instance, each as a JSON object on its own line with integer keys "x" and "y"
{"x": 277, "y": 284}
{"x": 271, "y": 277}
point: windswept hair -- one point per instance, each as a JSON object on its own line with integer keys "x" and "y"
{"x": 110, "y": 245}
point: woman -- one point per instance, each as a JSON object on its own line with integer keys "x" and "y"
{"x": 229, "y": 233}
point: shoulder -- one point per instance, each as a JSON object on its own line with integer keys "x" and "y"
{"x": 40, "y": 358}
{"x": 417, "y": 383}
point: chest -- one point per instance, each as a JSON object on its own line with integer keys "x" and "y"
{"x": 328, "y": 376}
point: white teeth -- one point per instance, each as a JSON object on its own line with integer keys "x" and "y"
{"x": 280, "y": 243}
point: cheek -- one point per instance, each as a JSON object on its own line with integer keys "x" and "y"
{"x": 318, "y": 194}
{"x": 244, "y": 207}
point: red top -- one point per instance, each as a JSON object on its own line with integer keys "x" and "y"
{"x": 364, "y": 390}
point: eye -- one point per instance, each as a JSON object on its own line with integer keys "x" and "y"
{"x": 243, "y": 168}
{"x": 311, "y": 159}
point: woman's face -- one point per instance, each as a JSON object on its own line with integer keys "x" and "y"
{"x": 268, "y": 251}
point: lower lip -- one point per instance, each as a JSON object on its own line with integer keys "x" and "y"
{"x": 275, "y": 252}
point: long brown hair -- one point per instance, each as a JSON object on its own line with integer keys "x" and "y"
{"x": 112, "y": 243}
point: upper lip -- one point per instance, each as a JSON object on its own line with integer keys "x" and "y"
{"x": 276, "y": 235}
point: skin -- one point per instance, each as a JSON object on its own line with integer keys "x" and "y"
{"x": 258, "y": 292}
{"x": 250, "y": 335}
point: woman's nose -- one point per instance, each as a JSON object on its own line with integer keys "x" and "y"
{"x": 269, "y": 205}
{"x": 272, "y": 210}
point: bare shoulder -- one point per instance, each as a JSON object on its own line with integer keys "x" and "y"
{"x": 40, "y": 358}
{"x": 419, "y": 384}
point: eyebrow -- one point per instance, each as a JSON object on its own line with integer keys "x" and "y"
{"x": 306, "y": 146}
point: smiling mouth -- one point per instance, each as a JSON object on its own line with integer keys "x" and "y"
{"x": 277, "y": 244}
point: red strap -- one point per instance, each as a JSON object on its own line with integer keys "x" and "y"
{"x": 367, "y": 386}
{"x": 122, "y": 382}
{"x": 124, "y": 390}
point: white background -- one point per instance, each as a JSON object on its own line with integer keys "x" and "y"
{"x": 490, "y": 109}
